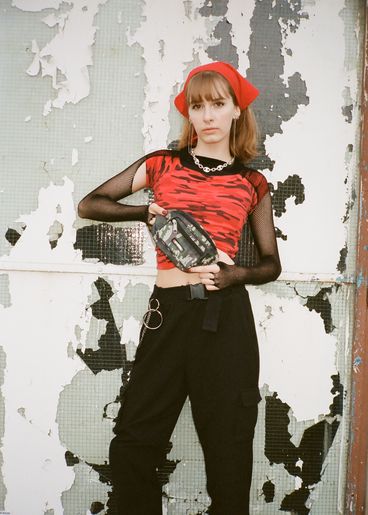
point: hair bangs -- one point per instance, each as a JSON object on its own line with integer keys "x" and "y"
{"x": 208, "y": 86}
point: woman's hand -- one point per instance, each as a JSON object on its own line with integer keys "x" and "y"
{"x": 153, "y": 210}
{"x": 210, "y": 275}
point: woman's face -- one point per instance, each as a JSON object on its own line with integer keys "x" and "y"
{"x": 212, "y": 118}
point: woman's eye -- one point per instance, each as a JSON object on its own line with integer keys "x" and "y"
{"x": 219, "y": 103}
{"x": 196, "y": 106}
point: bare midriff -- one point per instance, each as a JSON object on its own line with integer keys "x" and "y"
{"x": 168, "y": 278}
{"x": 175, "y": 277}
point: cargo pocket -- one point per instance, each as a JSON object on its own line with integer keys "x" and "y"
{"x": 247, "y": 413}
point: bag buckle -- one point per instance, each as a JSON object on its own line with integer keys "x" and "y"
{"x": 197, "y": 291}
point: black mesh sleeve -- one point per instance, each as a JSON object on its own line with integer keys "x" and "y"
{"x": 268, "y": 267}
{"x": 102, "y": 203}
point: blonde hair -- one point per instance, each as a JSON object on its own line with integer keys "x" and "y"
{"x": 210, "y": 85}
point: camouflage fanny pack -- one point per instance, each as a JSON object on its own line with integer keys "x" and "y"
{"x": 183, "y": 240}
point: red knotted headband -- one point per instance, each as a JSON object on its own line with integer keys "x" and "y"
{"x": 244, "y": 91}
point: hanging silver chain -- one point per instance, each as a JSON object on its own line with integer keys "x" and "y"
{"x": 152, "y": 308}
{"x": 206, "y": 169}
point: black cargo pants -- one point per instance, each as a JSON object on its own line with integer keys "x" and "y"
{"x": 207, "y": 349}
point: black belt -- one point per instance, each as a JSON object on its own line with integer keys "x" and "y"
{"x": 190, "y": 292}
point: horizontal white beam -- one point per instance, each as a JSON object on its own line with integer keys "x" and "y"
{"x": 149, "y": 271}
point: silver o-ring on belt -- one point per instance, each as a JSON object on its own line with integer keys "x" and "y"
{"x": 152, "y": 308}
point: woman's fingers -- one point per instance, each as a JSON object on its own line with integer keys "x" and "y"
{"x": 155, "y": 209}
{"x": 210, "y": 287}
{"x": 205, "y": 269}
{"x": 207, "y": 279}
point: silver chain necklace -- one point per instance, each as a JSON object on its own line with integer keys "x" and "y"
{"x": 206, "y": 169}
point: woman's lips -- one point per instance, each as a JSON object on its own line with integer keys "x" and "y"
{"x": 210, "y": 129}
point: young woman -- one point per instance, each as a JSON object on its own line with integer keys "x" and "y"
{"x": 200, "y": 339}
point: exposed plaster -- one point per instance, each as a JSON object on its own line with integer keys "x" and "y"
{"x": 318, "y": 479}
{"x": 55, "y": 205}
{"x": 36, "y": 5}
{"x": 239, "y": 15}
{"x": 304, "y": 461}
{"x": 75, "y": 157}
{"x": 111, "y": 320}
{"x": 111, "y": 244}
{"x": 218, "y": 8}
{"x": 13, "y": 233}
{"x": 268, "y": 490}
{"x": 49, "y": 313}
{"x": 224, "y": 50}
{"x": 289, "y": 357}
{"x": 87, "y": 490}
{"x": 186, "y": 489}
{"x": 83, "y": 401}
{"x": 5, "y": 299}
{"x": 110, "y": 354}
{"x": 3, "y": 488}
{"x": 281, "y": 93}
{"x": 301, "y": 132}
{"x": 350, "y": 15}
{"x": 111, "y": 351}
{"x": 54, "y": 233}
{"x": 97, "y": 328}
{"x": 321, "y": 303}
{"x": 75, "y": 36}
{"x": 291, "y": 187}
{"x": 184, "y": 38}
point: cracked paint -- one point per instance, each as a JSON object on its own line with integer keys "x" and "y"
{"x": 225, "y": 50}
{"x": 109, "y": 365}
{"x": 5, "y": 299}
{"x": 300, "y": 133}
{"x": 55, "y": 203}
{"x": 84, "y": 400}
{"x": 41, "y": 338}
{"x": 291, "y": 187}
{"x": 184, "y": 38}
{"x": 110, "y": 244}
{"x": 47, "y": 313}
{"x": 322, "y": 305}
{"x": 305, "y": 460}
{"x": 86, "y": 491}
{"x": 79, "y": 332}
{"x": 3, "y": 488}
{"x": 268, "y": 490}
{"x": 54, "y": 233}
{"x": 289, "y": 357}
{"x": 53, "y": 59}
{"x": 341, "y": 265}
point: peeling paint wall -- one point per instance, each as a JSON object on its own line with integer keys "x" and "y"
{"x": 87, "y": 88}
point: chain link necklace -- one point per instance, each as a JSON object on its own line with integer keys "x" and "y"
{"x": 206, "y": 169}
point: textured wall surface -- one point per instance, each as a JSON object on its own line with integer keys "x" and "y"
{"x": 87, "y": 87}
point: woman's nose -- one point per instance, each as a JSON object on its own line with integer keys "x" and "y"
{"x": 207, "y": 113}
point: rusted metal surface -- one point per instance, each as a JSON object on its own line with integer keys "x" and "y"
{"x": 357, "y": 490}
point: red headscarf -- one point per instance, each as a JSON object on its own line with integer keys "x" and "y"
{"x": 244, "y": 91}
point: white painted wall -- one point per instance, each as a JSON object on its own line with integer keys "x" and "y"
{"x": 92, "y": 82}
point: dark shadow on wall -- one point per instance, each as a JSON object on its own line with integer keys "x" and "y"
{"x": 306, "y": 460}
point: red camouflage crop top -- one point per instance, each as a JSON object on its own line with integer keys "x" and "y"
{"x": 219, "y": 201}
